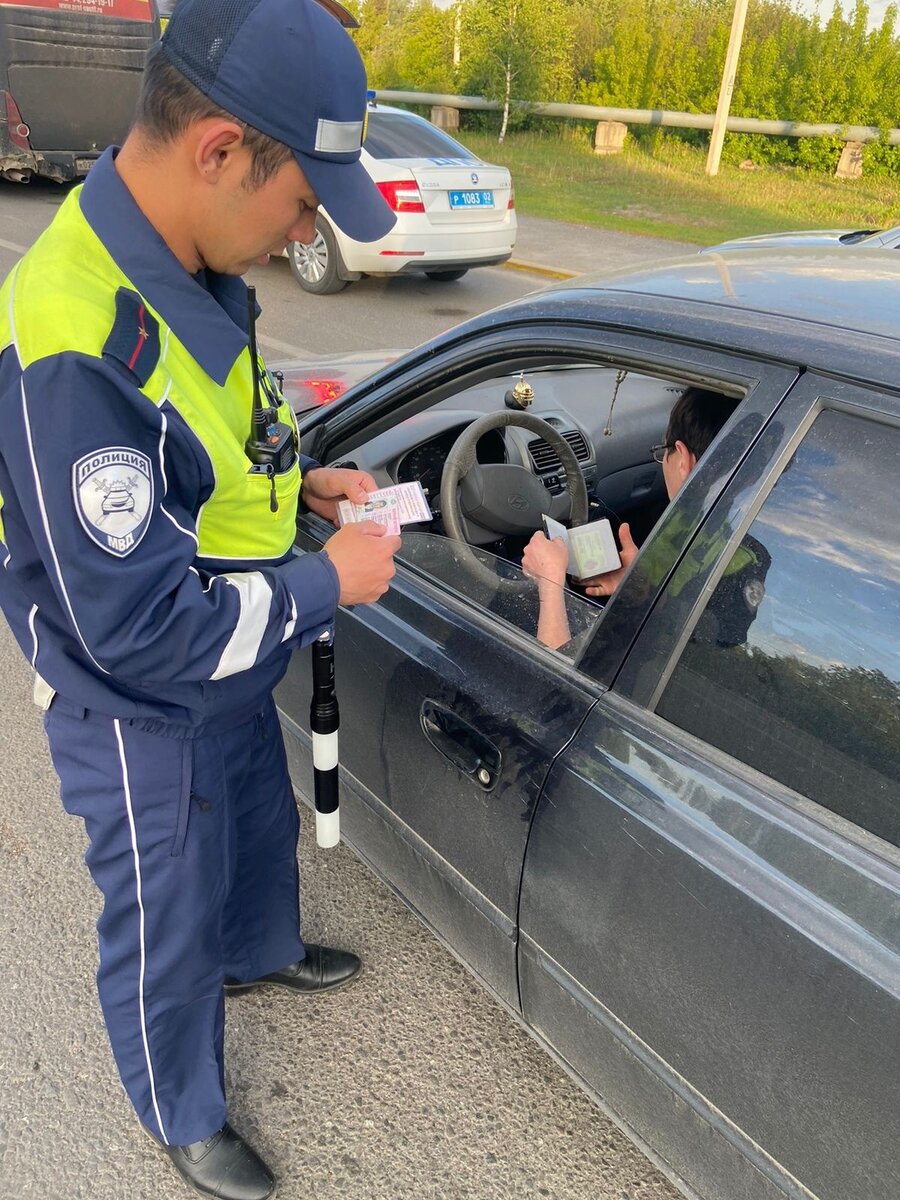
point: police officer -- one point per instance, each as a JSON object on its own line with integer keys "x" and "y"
{"x": 147, "y": 566}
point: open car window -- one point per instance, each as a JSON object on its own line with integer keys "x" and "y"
{"x": 609, "y": 418}
{"x": 608, "y": 414}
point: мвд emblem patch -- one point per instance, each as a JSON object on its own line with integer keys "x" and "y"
{"x": 113, "y": 491}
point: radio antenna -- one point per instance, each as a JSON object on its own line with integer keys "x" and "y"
{"x": 260, "y": 421}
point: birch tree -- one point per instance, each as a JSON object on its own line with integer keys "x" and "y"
{"x": 516, "y": 50}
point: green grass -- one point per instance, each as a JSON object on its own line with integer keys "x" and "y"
{"x": 667, "y": 194}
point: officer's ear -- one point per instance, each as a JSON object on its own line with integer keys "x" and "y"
{"x": 217, "y": 148}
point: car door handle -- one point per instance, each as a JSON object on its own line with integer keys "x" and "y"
{"x": 644, "y": 484}
{"x": 461, "y": 744}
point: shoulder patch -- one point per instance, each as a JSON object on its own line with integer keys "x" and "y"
{"x": 134, "y": 337}
{"x": 113, "y": 490}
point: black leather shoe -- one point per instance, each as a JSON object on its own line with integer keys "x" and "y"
{"x": 323, "y": 970}
{"x": 223, "y": 1166}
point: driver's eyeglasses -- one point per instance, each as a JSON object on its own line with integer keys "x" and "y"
{"x": 659, "y": 452}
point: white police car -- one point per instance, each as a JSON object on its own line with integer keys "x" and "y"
{"x": 454, "y": 212}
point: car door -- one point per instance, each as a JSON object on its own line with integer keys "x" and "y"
{"x": 710, "y": 912}
{"x": 451, "y": 712}
{"x": 449, "y": 721}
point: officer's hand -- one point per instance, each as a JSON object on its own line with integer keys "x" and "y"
{"x": 362, "y": 553}
{"x": 606, "y": 584}
{"x": 323, "y": 487}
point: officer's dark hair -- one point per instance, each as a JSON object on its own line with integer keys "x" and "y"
{"x": 168, "y": 103}
{"x": 697, "y": 417}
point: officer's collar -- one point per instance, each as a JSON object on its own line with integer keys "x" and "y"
{"x": 209, "y": 318}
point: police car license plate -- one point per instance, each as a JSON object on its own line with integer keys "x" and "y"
{"x": 83, "y": 165}
{"x": 471, "y": 199}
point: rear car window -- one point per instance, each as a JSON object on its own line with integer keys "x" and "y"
{"x": 404, "y": 135}
{"x": 794, "y": 666}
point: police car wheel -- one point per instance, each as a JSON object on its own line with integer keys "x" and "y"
{"x": 317, "y": 265}
{"x": 446, "y": 276}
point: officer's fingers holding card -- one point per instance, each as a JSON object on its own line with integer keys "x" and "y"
{"x": 391, "y": 542}
{"x": 362, "y": 553}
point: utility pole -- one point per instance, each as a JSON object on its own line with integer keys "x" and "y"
{"x": 717, "y": 137}
{"x": 457, "y": 23}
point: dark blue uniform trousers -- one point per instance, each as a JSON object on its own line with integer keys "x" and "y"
{"x": 193, "y": 844}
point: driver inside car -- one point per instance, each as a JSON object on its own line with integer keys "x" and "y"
{"x": 695, "y": 419}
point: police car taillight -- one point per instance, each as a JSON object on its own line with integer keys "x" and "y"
{"x": 17, "y": 129}
{"x": 402, "y": 195}
{"x": 512, "y": 197}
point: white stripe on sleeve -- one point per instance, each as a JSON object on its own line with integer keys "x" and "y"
{"x": 292, "y": 623}
{"x": 243, "y": 645}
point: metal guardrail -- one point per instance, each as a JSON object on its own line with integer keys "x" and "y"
{"x": 653, "y": 116}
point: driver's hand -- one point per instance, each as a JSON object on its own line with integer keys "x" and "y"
{"x": 606, "y": 584}
{"x": 546, "y": 560}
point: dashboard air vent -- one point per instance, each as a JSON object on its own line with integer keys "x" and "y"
{"x": 545, "y": 457}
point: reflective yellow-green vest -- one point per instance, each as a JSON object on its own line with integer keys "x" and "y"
{"x": 71, "y": 282}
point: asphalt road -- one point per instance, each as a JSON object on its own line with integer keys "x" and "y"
{"x": 410, "y": 1085}
{"x": 375, "y": 314}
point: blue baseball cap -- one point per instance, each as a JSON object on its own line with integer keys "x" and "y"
{"x": 289, "y": 69}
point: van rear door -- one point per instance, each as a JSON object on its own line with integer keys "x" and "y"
{"x": 71, "y": 70}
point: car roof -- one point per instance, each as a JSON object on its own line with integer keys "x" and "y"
{"x": 824, "y": 308}
{"x": 859, "y": 291}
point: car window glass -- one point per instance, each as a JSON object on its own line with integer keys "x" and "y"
{"x": 402, "y": 135}
{"x": 495, "y": 585}
{"x": 793, "y": 666}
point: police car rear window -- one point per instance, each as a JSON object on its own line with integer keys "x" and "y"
{"x": 404, "y": 135}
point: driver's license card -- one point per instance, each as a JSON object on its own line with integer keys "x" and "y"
{"x": 392, "y": 507}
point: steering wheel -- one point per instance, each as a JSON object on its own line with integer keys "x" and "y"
{"x": 503, "y": 499}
